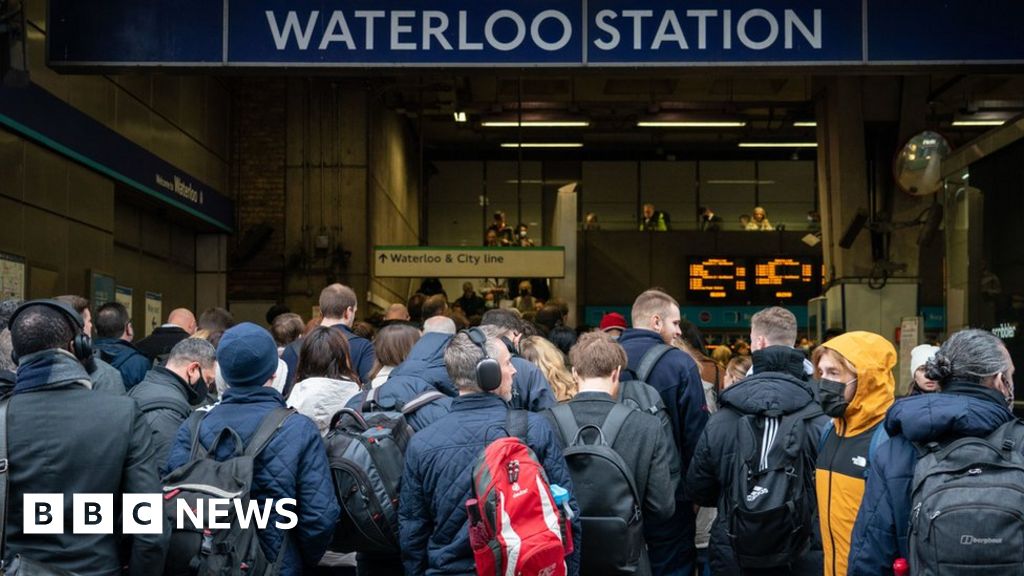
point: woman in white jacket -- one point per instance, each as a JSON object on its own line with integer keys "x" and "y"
{"x": 324, "y": 378}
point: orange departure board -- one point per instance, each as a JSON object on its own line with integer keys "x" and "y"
{"x": 756, "y": 280}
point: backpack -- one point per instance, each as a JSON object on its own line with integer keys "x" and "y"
{"x": 770, "y": 503}
{"x": 366, "y": 452}
{"x": 233, "y": 551}
{"x": 967, "y": 513}
{"x": 606, "y": 493}
{"x": 515, "y": 524}
{"x": 639, "y": 395}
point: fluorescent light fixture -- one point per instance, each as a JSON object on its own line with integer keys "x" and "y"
{"x": 542, "y": 145}
{"x": 741, "y": 182}
{"x": 690, "y": 124}
{"x": 778, "y": 144}
{"x": 978, "y": 122}
{"x": 459, "y": 116}
{"x": 805, "y": 124}
{"x": 536, "y": 124}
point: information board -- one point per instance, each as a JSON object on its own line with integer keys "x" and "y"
{"x": 12, "y": 277}
{"x": 756, "y": 280}
{"x": 468, "y": 262}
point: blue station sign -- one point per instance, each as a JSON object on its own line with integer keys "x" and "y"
{"x": 557, "y": 33}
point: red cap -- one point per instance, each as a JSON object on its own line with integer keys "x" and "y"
{"x": 612, "y": 321}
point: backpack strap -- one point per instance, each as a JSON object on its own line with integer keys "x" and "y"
{"x": 371, "y": 400}
{"x": 613, "y": 422}
{"x": 268, "y": 428}
{"x": 825, "y": 432}
{"x": 517, "y": 423}
{"x": 421, "y": 401}
{"x": 566, "y": 422}
{"x": 650, "y": 360}
{"x": 1013, "y": 438}
{"x": 164, "y": 404}
{"x": 193, "y": 423}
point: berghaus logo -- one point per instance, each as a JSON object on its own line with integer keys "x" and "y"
{"x": 968, "y": 540}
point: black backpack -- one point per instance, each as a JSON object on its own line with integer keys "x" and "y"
{"x": 233, "y": 551}
{"x": 610, "y": 506}
{"x": 967, "y": 511}
{"x": 770, "y": 504}
{"x": 639, "y": 395}
{"x": 366, "y": 452}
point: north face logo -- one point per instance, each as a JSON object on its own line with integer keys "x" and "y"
{"x": 968, "y": 540}
{"x": 756, "y": 493}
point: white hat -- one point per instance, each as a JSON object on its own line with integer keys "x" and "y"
{"x": 921, "y": 354}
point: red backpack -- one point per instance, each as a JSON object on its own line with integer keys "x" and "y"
{"x": 515, "y": 526}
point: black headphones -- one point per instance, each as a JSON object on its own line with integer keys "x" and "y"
{"x": 488, "y": 371}
{"x": 81, "y": 346}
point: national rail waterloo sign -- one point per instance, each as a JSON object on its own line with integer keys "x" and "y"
{"x": 468, "y": 262}
{"x": 560, "y": 33}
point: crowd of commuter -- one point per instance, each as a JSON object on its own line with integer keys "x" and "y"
{"x": 466, "y": 439}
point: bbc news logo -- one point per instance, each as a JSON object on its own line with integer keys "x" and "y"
{"x": 144, "y": 514}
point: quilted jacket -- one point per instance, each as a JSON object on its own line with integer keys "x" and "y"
{"x": 422, "y": 371}
{"x": 438, "y": 480}
{"x": 293, "y": 465}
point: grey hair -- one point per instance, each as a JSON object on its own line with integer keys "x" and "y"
{"x": 193, "y": 350}
{"x": 776, "y": 324}
{"x": 968, "y": 355}
{"x": 439, "y": 324}
{"x": 461, "y": 357}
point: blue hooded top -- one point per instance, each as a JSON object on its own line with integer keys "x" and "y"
{"x": 960, "y": 409}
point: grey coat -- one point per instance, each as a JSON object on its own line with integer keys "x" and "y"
{"x": 166, "y": 401}
{"x": 106, "y": 378}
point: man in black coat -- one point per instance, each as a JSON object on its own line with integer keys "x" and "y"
{"x": 169, "y": 393}
{"x": 779, "y": 387}
{"x": 181, "y": 324}
{"x": 642, "y": 442}
{"x": 64, "y": 439}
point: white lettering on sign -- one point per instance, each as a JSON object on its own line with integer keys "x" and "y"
{"x": 673, "y": 26}
{"x": 417, "y": 30}
{"x": 181, "y": 188}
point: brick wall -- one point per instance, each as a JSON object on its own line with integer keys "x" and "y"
{"x": 259, "y": 147}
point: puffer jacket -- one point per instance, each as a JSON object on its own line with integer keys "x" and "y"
{"x": 843, "y": 460}
{"x": 961, "y": 409}
{"x": 319, "y": 399}
{"x": 293, "y": 465}
{"x": 778, "y": 384}
{"x": 426, "y": 362}
{"x": 122, "y": 355}
{"x": 438, "y": 480}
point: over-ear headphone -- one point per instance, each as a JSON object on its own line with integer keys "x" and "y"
{"x": 81, "y": 346}
{"x": 488, "y": 370}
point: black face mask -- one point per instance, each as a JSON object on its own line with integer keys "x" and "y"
{"x": 831, "y": 398}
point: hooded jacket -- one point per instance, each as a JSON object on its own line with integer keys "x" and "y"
{"x": 422, "y": 371}
{"x": 319, "y": 399}
{"x": 122, "y": 355}
{"x": 778, "y": 384}
{"x": 959, "y": 410}
{"x": 843, "y": 460}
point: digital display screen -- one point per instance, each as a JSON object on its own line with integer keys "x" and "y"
{"x": 755, "y": 280}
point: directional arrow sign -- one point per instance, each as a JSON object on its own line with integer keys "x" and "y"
{"x": 468, "y": 262}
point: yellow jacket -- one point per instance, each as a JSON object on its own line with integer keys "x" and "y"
{"x": 843, "y": 460}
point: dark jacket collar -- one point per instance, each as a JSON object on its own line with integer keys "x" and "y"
{"x": 641, "y": 334}
{"x": 164, "y": 377}
{"x": 477, "y": 401}
{"x": 974, "y": 390}
{"x": 780, "y": 359}
{"x": 251, "y": 395}
{"x": 49, "y": 369}
{"x": 960, "y": 409}
{"x": 592, "y": 395}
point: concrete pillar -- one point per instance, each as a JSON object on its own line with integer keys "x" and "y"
{"x": 211, "y": 271}
{"x": 858, "y": 299}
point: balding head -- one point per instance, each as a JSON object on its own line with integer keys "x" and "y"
{"x": 184, "y": 319}
{"x": 397, "y": 312}
{"x": 439, "y": 324}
